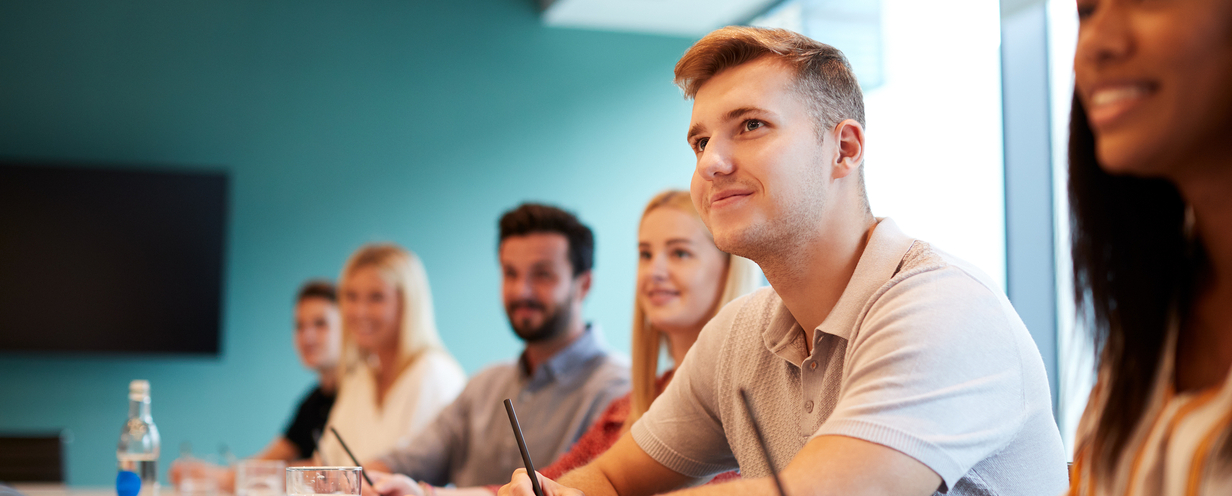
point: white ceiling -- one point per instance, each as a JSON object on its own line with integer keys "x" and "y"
{"x": 689, "y": 18}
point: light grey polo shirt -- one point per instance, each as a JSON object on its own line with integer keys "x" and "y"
{"x": 470, "y": 443}
{"x": 922, "y": 353}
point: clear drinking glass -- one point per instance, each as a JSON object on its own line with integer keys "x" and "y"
{"x": 259, "y": 477}
{"x": 310, "y": 481}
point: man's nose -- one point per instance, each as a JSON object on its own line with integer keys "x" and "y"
{"x": 518, "y": 288}
{"x": 715, "y": 160}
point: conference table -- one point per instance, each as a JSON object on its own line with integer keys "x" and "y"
{"x": 63, "y": 490}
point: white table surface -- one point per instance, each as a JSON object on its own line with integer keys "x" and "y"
{"x": 63, "y": 490}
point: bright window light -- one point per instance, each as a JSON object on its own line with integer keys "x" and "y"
{"x": 1075, "y": 355}
{"x": 931, "y": 73}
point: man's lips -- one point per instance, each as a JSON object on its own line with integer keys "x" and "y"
{"x": 523, "y": 311}
{"x": 728, "y": 196}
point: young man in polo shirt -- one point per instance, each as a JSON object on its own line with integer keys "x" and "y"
{"x": 875, "y": 363}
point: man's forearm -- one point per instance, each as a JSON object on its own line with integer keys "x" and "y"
{"x": 464, "y": 491}
{"x": 415, "y": 463}
{"x": 378, "y": 466}
{"x": 864, "y": 469}
{"x": 742, "y": 487}
{"x": 590, "y": 480}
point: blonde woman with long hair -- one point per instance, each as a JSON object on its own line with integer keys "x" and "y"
{"x": 395, "y": 373}
{"x": 682, "y": 281}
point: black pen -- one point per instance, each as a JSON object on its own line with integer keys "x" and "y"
{"x": 517, "y": 432}
{"x": 352, "y": 455}
{"x": 761, "y": 441}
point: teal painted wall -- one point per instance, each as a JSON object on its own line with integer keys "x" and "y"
{"x": 340, "y": 123}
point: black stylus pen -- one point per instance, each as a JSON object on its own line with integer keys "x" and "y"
{"x": 352, "y": 455}
{"x": 517, "y": 432}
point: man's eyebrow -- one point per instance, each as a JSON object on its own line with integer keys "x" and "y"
{"x": 695, "y": 130}
{"x": 731, "y": 115}
{"x": 741, "y": 112}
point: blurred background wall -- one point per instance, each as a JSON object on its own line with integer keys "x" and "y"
{"x": 339, "y": 123}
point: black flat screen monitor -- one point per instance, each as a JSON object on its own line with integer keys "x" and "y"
{"x": 106, "y": 259}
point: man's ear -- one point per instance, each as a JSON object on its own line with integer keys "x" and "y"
{"x": 583, "y": 281}
{"x": 849, "y": 140}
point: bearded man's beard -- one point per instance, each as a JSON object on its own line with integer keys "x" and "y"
{"x": 553, "y": 326}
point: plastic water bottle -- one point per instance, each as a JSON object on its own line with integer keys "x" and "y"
{"x": 137, "y": 452}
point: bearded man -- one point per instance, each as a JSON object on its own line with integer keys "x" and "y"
{"x": 560, "y": 384}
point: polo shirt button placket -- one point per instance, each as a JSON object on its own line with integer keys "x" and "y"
{"x": 808, "y": 406}
{"x": 813, "y": 365}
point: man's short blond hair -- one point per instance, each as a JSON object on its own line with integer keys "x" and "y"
{"x": 823, "y": 76}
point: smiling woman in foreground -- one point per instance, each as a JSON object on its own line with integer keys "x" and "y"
{"x": 1151, "y": 192}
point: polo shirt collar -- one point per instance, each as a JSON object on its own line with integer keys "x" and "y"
{"x": 878, "y": 263}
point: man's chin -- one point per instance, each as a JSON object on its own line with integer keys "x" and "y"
{"x": 732, "y": 240}
{"x": 536, "y": 334}
{"x": 531, "y": 336}
{"x": 728, "y": 227}
{"x": 524, "y": 326}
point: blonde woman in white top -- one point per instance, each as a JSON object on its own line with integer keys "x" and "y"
{"x": 1151, "y": 192}
{"x": 396, "y": 374}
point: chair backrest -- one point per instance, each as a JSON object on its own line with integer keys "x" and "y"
{"x": 35, "y": 457}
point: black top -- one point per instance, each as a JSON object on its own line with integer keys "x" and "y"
{"x": 309, "y": 421}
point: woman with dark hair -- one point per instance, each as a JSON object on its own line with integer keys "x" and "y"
{"x": 1151, "y": 196}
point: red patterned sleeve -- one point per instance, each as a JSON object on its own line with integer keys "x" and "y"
{"x": 601, "y": 436}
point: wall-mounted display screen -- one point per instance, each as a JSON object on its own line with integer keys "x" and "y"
{"x": 106, "y": 259}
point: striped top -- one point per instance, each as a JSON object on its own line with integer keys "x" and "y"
{"x": 1175, "y": 449}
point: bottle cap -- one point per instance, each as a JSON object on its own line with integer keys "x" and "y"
{"x": 128, "y": 483}
{"x": 139, "y": 389}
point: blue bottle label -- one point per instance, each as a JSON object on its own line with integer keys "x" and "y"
{"x": 128, "y": 483}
